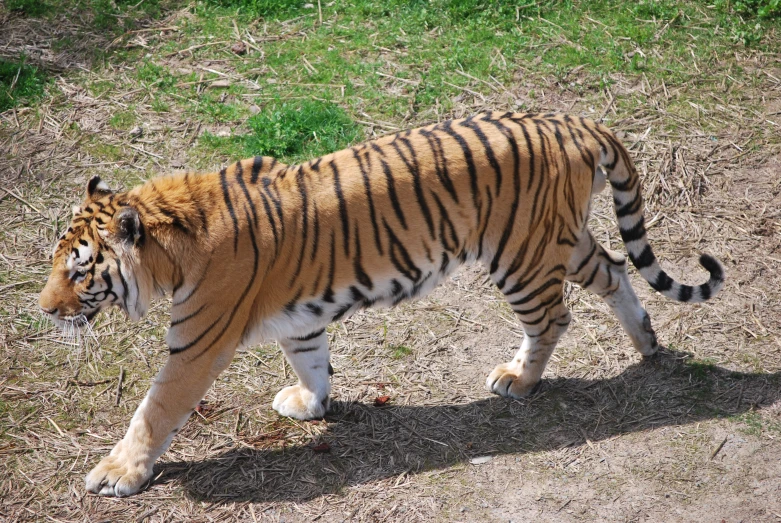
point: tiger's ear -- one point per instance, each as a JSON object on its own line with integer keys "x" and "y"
{"x": 129, "y": 229}
{"x": 97, "y": 188}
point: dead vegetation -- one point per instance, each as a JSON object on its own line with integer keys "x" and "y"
{"x": 691, "y": 435}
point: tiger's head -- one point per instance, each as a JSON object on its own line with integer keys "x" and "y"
{"x": 93, "y": 261}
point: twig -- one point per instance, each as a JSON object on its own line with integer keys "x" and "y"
{"x": 376, "y": 124}
{"x": 713, "y": 454}
{"x": 411, "y": 82}
{"x": 194, "y": 47}
{"x": 119, "y": 385}
{"x": 28, "y": 204}
{"x": 87, "y": 383}
{"x": 139, "y": 149}
{"x": 473, "y": 93}
{"x": 11, "y": 285}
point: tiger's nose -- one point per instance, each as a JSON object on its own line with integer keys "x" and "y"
{"x": 52, "y": 310}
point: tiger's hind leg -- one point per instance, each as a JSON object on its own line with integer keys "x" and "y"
{"x": 309, "y": 398}
{"x": 544, "y": 317}
{"x": 604, "y": 272}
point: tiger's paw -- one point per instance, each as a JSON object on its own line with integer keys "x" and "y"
{"x": 118, "y": 475}
{"x": 300, "y": 403}
{"x": 508, "y": 380}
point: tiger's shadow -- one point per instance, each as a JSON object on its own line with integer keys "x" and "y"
{"x": 367, "y": 443}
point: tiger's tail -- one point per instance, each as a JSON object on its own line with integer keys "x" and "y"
{"x": 628, "y": 203}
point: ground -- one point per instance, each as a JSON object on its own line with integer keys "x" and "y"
{"x": 693, "y": 434}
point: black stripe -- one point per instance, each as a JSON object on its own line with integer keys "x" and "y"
{"x": 394, "y": 198}
{"x": 445, "y": 221}
{"x": 309, "y": 336}
{"x": 637, "y": 232}
{"x": 370, "y": 200}
{"x": 257, "y": 164}
{"x": 404, "y": 265}
{"x": 585, "y": 260}
{"x": 489, "y": 152}
{"x": 328, "y": 295}
{"x": 299, "y": 350}
{"x": 629, "y": 207}
{"x": 486, "y": 221}
{"x": 525, "y": 312}
{"x": 544, "y": 170}
{"x": 175, "y": 350}
{"x": 663, "y": 282}
{"x": 270, "y": 218}
{"x": 249, "y": 203}
{"x": 414, "y": 170}
{"x": 539, "y": 290}
{"x": 360, "y": 274}
{"x": 342, "y": 311}
{"x": 470, "y": 164}
{"x": 316, "y": 231}
{"x": 440, "y": 162}
{"x": 182, "y": 320}
{"x": 712, "y": 266}
{"x": 508, "y": 228}
{"x": 229, "y": 205}
{"x": 521, "y": 284}
{"x": 121, "y": 279}
{"x": 315, "y": 309}
{"x": 625, "y": 186}
{"x": 342, "y": 209}
{"x": 301, "y": 182}
{"x": 645, "y": 259}
{"x": 685, "y": 293}
{"x": 291, "y": 305}
{"x": 590, "y": 279}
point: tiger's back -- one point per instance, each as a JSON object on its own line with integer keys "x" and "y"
{"x": 385, "y": 221}
{"x": 262, "y": 250}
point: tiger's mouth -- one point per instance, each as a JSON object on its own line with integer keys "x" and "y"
{"x": 79, "y": 321}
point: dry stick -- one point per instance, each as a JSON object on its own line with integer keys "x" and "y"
{"x": 713, "y": 454}
{"x": 473, "y": 93}
{"x": 411, "y": 82}
{"x": 28, "y": 204}
{"x": 11, "y": 285}
{"x": 194, "y": 47}
{"x": 320, "y": 12}
{"x": 119, "y": 385}
{"x": 139, "y": 149}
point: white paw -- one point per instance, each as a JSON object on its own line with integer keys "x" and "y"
{"x": 509, "y": 380}
{"x": 118, "y": 476}
{"x": 299, "y": 403}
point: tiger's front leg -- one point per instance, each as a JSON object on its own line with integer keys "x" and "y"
{"x": 175, "y": 393}
{"x": 309, "y": 398}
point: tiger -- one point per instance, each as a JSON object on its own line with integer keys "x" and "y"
{"x": 263, "y": 251}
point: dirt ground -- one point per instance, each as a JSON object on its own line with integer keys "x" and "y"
{"x": 693, "y": 434}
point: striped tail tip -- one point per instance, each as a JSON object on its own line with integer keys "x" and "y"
{"x": 691, "y": 293}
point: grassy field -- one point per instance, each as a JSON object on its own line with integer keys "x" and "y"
{"x": 129, "y": 90}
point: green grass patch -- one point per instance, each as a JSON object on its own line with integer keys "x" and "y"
{"x": 753, "y": 8}
{"x": 395, "y": 58}
{"x": 399, "y": 351}
{"x": 104, "y": 151}
{"x": 267, "y": 9}
{"x": 123, "y": 120}
{"x": 28, "y": 7}
{"x": 754, "y": 424}
{"x": 20, "y": 84}
{"x": 291, "y": 132}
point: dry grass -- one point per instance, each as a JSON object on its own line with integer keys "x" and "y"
{"x": 691, "y": 435}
